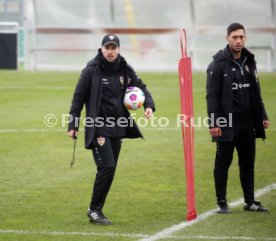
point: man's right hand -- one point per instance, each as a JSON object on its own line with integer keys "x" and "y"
{"x": 215, "y": 132}
{"x": 73, "y": 134}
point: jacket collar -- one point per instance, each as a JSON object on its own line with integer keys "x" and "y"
{"x": 225, "y": 54}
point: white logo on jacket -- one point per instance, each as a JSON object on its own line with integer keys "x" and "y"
{"x": 105, "y": 81}
{"x": 236, "y": 86}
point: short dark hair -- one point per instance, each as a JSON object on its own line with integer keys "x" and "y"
{"x": 233, "y": 27}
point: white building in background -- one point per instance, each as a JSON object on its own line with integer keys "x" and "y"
{"x": 65, "y": 34}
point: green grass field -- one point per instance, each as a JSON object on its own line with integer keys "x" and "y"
{"x": 42, "y": 198}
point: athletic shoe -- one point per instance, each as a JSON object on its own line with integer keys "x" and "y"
{"x": 255, "y": 207}
{"x": 222, "y": 207}
{"x": 97, "y": 217}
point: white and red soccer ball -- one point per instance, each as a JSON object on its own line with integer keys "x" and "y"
{"x": 134, "y": 98}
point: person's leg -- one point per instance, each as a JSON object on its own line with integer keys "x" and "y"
{"x": 105, "y": 152}
{"x": 246, "y": 148}
{"x": 224, "y": 155}
{"x": 116, "y": 147}
{"x": 109, "y": 172}
{"x": 106, "y": 161}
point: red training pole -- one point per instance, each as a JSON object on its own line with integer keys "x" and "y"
{"x": 187, "y": 111}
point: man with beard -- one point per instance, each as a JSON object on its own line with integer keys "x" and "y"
{"x": 101, "y": 88}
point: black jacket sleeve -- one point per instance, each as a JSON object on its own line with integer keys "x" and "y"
{"x": 213, "y": 90}
{"x": 261, "y": 103}
{"x": 80, "y": 97}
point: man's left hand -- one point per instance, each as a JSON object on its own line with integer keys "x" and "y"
{"x": 266, "y": 124}
{"x": 148, "y": 113}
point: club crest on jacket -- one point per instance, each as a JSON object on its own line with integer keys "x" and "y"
{"x": 101, "y": 140}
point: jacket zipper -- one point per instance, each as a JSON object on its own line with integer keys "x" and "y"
{"x": 241, "y": 66}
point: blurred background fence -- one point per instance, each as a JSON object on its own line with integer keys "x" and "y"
{"x": 65, "y": 34}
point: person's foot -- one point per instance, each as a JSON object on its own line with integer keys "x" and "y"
{"x": 255, "y": 206}
{"x": 97, "y": 217}
{"x": 222, "y": 207}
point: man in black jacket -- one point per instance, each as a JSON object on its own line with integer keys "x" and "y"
{"x": 101, "y": 88}
{"x": 237, "y": 115}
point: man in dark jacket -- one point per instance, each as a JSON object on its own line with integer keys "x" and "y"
{"x": 237, "y": 115}
{"x": 101, "y": 88}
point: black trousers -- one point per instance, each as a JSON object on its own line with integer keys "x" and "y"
{"x": 245, "y": 144}
{"x": 105, "y": 153}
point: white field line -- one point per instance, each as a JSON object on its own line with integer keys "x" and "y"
{"x": 179, "y": 129}
{"x": 26, "y": 130}
{"x": 58, "y": 233}
{"x": 177, "y": 227}
{"x": 12, "y": 87}
{"x": 165, "y": 233}
{"x": 36, "y": 88}
{"x": 125, "y": 235}
{"x": 51, "y": 129}
{"x": 220, "y": 238}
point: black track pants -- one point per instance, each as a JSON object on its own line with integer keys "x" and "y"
{"x": 106, "y": 153}
{"x": 245, "y": 144}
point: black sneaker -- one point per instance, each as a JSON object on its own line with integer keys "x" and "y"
{"x": 222, "y": 207}
{"x": 255, "y": 207}
{"x": 97, "y": 217}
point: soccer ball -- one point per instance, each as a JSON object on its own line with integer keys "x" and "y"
{"x": 134, "y": 98}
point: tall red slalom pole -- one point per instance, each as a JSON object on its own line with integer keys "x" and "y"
{"x": 187, "y": 114}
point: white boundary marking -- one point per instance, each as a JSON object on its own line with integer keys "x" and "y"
{"x": 36, "y": 88}
{"x": 52, "y": 129}
{"x": 93, "y": 234}
{"x": 177, "y": 227}
{"x": 165, "y": 233}
{"x": 58, "y": 233}
{"x": 34, "y": 130}
{"x": 14, "y": 87}
{"x": 220, "y": 238}
{"x": 238, "y": 238}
